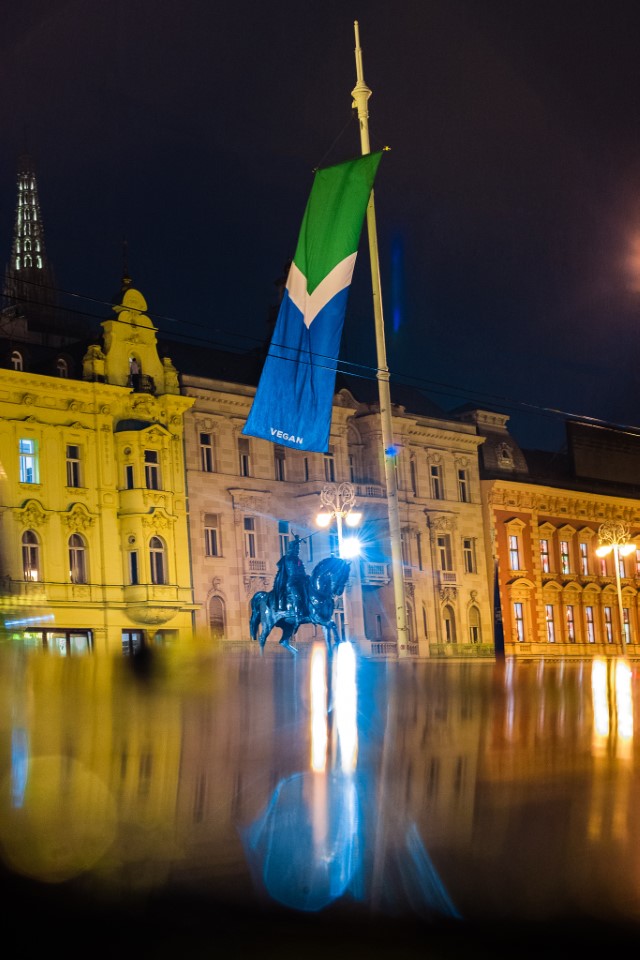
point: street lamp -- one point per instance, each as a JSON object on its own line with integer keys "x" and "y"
{"x": 338, "y": 501}
{"x": 614, "y": 536}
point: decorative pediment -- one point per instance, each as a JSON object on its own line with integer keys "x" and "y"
{"x": 158, "y": 519}
{"x": 31, "y": 514}
{"x": 78, "y": 518}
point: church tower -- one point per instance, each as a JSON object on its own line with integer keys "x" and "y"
{"x": 30, "y": 307}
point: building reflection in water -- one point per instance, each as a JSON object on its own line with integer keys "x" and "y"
{"x": 434, "y": 790}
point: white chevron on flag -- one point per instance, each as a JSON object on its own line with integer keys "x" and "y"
{"x": 310, "y": 305}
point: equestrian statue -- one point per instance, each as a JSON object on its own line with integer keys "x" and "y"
{"x": 299, "y": 598}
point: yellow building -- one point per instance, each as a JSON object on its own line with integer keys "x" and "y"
{"x": 94, "y": 549}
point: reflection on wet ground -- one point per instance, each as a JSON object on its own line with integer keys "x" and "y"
{"x": 301, "y": 803}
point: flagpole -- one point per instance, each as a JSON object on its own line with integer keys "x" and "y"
{"x": 361, "y": 94}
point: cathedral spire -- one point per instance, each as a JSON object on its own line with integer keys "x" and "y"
{"x": 29, "y": 287}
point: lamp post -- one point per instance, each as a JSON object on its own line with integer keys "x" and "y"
{"x": 338, "y": 500}
{"x": 614, "y": 537}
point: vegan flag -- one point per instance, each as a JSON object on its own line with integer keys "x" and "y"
{"x": 294, "y": 398}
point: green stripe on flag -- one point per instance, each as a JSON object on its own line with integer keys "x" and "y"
{"x": 332, "y": 222}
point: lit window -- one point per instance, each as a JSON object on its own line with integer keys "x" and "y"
{"x": 77, "y": 559}
{"x": 584, "y": 560}
{"x": 544, "y": 556}
{"x": 518, "y": 618}
{"x": 514, "y": 552}
{"x": 571, "y": 625}
{"x": 591, "y": 630}
{"x": 28, "y": 461}
{"x": 30, "y": 556}
{"x": 551, "y": 630}
{"x": 565, "y": 562}
{"x": 608, "y": 624}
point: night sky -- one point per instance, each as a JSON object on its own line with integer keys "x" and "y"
{"x": 508, "y": 208}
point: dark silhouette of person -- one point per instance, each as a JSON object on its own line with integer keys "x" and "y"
{"x": 291, "y": 582}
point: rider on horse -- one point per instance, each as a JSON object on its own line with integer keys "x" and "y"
{"x": 291, "y": 582}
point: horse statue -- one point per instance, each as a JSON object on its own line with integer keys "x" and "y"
{"x": 326, "y": 582}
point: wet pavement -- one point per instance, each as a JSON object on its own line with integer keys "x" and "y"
{"x": 308, "y": 804}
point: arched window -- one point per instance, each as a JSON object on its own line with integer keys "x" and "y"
{"x": 475, "y": 633}
{"x": 77, "y": 559}
{"x": 157, "y": 560}
{"x": 62, "y": 367}
{"x": 216, "y": 618}
{"x": 16, "y": 360}
{"x": 30, "y": 556}
{"x": 449, "y": 620}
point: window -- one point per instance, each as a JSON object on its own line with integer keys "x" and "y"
{"x": 353, "y": 473}
{"x": 621, "y": 566}
{"x": 565, "y": 562}
{"x": 16, "y": 360}
{"x": 329, "y": 466}
{"x": 157, "y": 560}
{"x": 437, "y": 486}
{"x": 514, "y": 552}
{"x": 608, "y": 625}
{"x": 544, "y": 556}
{"x": 280, "y": 462}
{"x": 28, "y": 461}
{"x": 463, "y": 486}
{"x": 637, "y": 562}
{"x": 584, "y": 560}
{"x": 626, "y": 625}
{"x": 474, "y": 625}
{"x": 62, "y": 368}
{"x": 603, "y": 566}
{"x": 211, "y": 535}
{"x": 249, "y": 537}
{"x": 283, "y": 536}
{"x": 518, "y": 619}
{"x": 152, "y": 469}
{"x": 469, "y": 555}
{"x": 591, "y": 630}
{"x": 73, "y": 465}
{"x": 449, "y": 625}
{"x": 244, "y": 457}
{"x": 424, "y": 622}
{"x": 419, "y": 551}
{"x": 30, "y": 556}
{"x": 571, "y": 625}
{"x": 551, "y": 630}
{"x": 443, "y": 543}
{"x": 77, "y": 559}
{"x": 134, "y": 576}
{"x": 216, "y": 618}
{"x": 413, "y": 479}
{"x": 404, "y": 548}
{"x": 206, "y": 452}
{"x": 128, "y": 476}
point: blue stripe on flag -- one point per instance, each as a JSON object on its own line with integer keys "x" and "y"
{"x": 294, "y": 399}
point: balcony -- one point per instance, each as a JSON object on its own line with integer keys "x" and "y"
{"x": 447, "y": 578}
{"x": 374, "y": 574}
{"x": 140, "y": 383}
